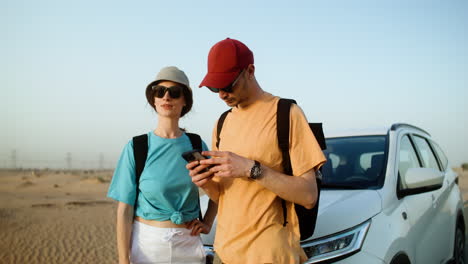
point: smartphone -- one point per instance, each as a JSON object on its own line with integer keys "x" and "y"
{"x": 193, "y": 155}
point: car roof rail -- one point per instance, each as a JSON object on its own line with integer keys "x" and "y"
{"x": 399, "y": 125}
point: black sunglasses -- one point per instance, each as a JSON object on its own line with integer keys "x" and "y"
{"x": 229, "y": 88}
{"x": 160, "y": 91}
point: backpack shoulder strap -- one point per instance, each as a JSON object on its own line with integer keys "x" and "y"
{"x": 318, "y": 133}
{"x": 282, "y": 130}
{"x": 219, "y": 127}
{"x": 140, "y": 152}
{"x": 196, "y": 141}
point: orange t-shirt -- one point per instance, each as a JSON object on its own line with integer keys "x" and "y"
{"x": 250, "y": 217}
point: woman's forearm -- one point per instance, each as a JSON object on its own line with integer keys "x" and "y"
{"x": 124, "y": 231}
{"x": 210, "y": 214}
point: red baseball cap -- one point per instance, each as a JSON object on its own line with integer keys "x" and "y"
{"x": 226, "y": 60}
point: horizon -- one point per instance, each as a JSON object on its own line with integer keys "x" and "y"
{"x": 73, "y": 74}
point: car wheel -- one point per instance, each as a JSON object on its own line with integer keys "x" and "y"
{"x": 459, "y": 246}
{"x": 400, "y": 259}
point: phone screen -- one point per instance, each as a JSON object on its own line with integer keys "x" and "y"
{"x": 193, "y": 155}
{"x": 198, "y": 156}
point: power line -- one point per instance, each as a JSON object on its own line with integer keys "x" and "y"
{"x": 68, "y": 159}
{"x": 14, "y": 158}
{"x": 101, "y": 160}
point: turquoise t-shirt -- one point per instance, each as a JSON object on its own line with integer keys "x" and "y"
{"x": 166, "y": 191}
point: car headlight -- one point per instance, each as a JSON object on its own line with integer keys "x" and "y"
{"x": 338, "y": 245}
{"x": 209, "y": 251}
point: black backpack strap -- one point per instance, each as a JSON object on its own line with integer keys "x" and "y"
{"x": 282, "y": 130}
{"x": 140, "y": 152}
{"x": 219, "y": 127}
{"x": 196, "y": 141}
{"x": 318, "y": 133}
{"x": 282, "y": 127}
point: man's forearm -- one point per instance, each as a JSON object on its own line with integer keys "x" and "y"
{"x": 211, "y": 188}
{"x": 298, "y": 189}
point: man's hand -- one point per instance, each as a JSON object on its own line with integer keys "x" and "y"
{"x": 301, "y": 189}
{"x": 227, "y": 164}
{"x": 199, "y": 175}
{"x": 198, "y": 227}
{"x": 202, "y": 178}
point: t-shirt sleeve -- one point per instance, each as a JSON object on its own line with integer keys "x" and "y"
{"x": 305, "y": 151}
{"x": 123, "y": 186}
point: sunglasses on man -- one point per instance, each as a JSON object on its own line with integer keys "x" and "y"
{"x": 229, "y": 88}
{"x": 174, "y": 91}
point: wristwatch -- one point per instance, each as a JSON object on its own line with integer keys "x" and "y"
{"x": 256, "y": 171}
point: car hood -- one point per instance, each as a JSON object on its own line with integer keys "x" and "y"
{"x": 342, "y": 209}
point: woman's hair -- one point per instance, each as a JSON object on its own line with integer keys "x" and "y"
{"x": 188, "y": 97}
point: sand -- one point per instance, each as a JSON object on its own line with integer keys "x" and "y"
{"x": 56, "y": 217}
{"x": 49, "y": 216}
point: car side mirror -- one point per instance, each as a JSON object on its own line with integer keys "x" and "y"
{"x": 420, "y": 180}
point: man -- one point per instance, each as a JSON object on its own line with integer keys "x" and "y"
{"x": 246, "y": 179}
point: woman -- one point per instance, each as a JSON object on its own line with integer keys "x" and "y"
{"x": 164, "y": 227}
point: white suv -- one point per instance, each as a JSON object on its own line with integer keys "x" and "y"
{"x": 388, "y": 196}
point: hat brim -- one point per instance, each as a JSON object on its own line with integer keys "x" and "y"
{"x": 162, "y": 80}
{"x": 219, "y": 80}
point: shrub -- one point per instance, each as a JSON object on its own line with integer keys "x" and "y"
{"x": 465, "y": 166}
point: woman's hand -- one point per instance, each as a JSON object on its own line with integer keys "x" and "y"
{"x": 198, "y": 227}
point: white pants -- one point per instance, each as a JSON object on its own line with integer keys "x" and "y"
{"x": 165, "y": 245}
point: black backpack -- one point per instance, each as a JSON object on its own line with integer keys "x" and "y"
{"x": 140, "y": 152}
{"x": 307, "y": 217}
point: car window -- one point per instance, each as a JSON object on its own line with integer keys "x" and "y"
{"x": 443, "y": 159}
{"x": 407, "y": 157}
{"x": 354, "y": 162}
{"x": 428, "y": 158}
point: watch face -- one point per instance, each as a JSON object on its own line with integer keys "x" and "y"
{"x": 256, "y": 171}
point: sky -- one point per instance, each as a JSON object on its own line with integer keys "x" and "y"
{"x": 73, "y": 73}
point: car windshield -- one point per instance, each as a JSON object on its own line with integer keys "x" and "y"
{"x": 354, "y": 162}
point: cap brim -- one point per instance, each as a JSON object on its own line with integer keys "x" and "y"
{"x": 218, "y": 80}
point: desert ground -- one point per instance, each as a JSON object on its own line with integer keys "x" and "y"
{"x": 49, "y": 216}
{"x": 53, "y": 216}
